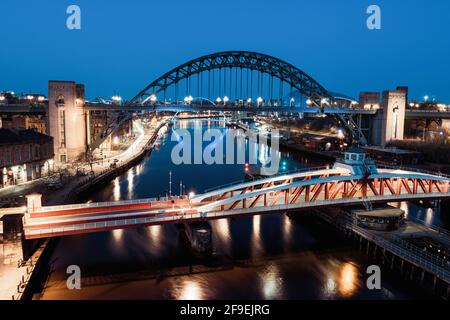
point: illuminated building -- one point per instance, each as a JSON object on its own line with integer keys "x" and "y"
{"x": 25, "y": 155}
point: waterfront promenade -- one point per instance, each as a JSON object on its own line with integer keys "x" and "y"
{"x": 15, "y": 273}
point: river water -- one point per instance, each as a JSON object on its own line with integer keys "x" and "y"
{"x": 260, "y": 257}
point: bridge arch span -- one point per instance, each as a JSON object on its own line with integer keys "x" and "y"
{"x": 253, "y": 61}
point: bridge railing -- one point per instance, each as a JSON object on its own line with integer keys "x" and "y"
{"x": 384, "y": 165}
{"x": 107, "y": 204}
{"x": 234, "y": 183}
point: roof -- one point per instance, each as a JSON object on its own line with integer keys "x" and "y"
{"x": 380, "y": 213}
{"x": 23, "y": 109}
{"x": 21, "y": 136}
{"x": 354, "y": 149}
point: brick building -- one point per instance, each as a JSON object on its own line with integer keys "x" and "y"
{"x": 25, "y": 155}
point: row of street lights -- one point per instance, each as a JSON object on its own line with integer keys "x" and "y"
{"x": 259, "y": 101}
{"x": 188, "y": 100}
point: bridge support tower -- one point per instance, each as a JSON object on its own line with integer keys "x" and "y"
{"x": 389, "y": 122}
{"x": 67, "y": 120}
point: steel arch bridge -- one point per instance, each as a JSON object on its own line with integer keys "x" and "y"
{"x": 253, "y": 61}
{"x": 242, "y": 88}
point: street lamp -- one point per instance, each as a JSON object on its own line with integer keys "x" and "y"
{"x": 426, "y": 98}
{"x": 249, "y": 101}
{"x": 225, "y": 100}
{"x": 218, "y": 100}
{"x": 309, "y": 102}
{"x": 291, "y": 102}
{"x": 188, "y": 99}
{"x": 259, "y": 101}
{"x": 116, "y": 99}
{"x": 2, "y": 98}
{"x": 153, "y": 98}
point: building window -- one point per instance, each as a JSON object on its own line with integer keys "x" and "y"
{"x": 62, "y": 133}
{"x": 60, "y": 100}
{"x": 63, "y": 158}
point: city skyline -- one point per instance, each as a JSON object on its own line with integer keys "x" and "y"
{"x": 120, "y": 48}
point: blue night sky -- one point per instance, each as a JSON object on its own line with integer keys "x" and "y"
{"x": 124, "y": 45}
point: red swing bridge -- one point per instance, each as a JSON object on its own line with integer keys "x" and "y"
{"x": 351, "y": 181}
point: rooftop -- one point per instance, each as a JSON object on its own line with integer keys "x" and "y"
{"x": 391, "y": 150}
{"x": 21, "y": 136}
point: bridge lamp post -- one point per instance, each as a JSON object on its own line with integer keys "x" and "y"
{"x": 259, "y": 101}
{"x": 225, "y": 100}
{"x": 188, "y": 99}
{"x": 291, "y": 102}
{"x": 323, "y": 102}
{"x": 309, "y": 102}
{"x": 249, "y": 101}
{"x": 116, "y": 99}
{"x": 153, "y": 98}
{"x": 218, "y": 100}
{"x": 426, "y": 98}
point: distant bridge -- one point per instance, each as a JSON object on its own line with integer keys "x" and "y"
{"x": 182, "y": 107}
{"x": 314, "y": 188}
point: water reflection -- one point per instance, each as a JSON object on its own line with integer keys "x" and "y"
{"x": 130, "y": 180}
{"x": 287, "y": 231}
{"x": 222, "y": 230}
{"x": 348, "y": 279}
{"x": 155, "y": 232}
{"x": 256, "y": 245}
{"x": 405, "y": 208}
{"x": 188, "y": 290}
{"x": 342, "y": 279}
{"x": 116, "y": 192}
{"x": 117, "y": 235}
{"x": 271, "y": 282}
{"x": 429, "y": 217}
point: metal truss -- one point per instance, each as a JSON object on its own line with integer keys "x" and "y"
{"x": 240, "y": 59}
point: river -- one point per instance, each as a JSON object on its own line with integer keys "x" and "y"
{"x": 260, "y": 257}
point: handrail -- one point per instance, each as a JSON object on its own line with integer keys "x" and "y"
{"x": 384, "y": 165}
{"x": 262, "y": 178}
{"x": 107, "y": 204}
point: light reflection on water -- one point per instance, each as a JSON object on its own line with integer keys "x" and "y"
{"x": 271, "y": 282}
{"x": 188, "y": 290}
{"x": 116, "y": 189}
{"x": 347, "y": 283}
